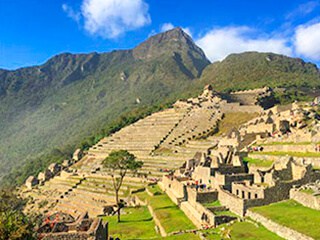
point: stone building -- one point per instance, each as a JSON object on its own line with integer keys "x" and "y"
{"x": 222, "y": 175}
{"x": 66, "y": 163}
{"x": 83, "y": 228}
{"x": 77, "y": 155}
{"x": 54, "y": 168}
{"x": 31, "y": 182}
{"x": 45, "y": 175}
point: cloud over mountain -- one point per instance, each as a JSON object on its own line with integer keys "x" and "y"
{"x": 220, "y": 42}
{"x": 306, "y": 41}
{"x": 111, "y": 18}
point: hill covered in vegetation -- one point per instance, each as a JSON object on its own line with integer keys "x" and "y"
{"x": 251, "y": 70}
{"x": 73, "y": 100}
{"x": 73, "y": 96}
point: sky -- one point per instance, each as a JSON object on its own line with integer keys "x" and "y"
{"x": 32, "y": 31}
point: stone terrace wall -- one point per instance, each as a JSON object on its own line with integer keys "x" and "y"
{"x": 273, "y": 194}
{"x": 231, "y": 201}
{"x": 201, "y": 197}
{"x": 307, "y": 160}
{"x": 67, "y": 236}
{"x": 305, "y": 199}
{"x": 236, "y": 107}
{"x": 289, "y": 148}
{"x": 282, "y": 231}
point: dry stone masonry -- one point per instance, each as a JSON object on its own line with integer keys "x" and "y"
{"x": 206, "y": 175}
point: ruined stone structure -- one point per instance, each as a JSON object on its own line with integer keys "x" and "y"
{"x": 45, "y": 176}
{"x": 222, "y": 175}
{"x": 31, "y": 182}
{"x": 83, "y": 228}
{"x": 307, "y": 195}
{"x": 206, "y": 168}
{"x": 77, "y": 155}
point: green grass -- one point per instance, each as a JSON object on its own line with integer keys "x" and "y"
{"x": 225, "y": 213}
{"x": 308, "y": 191}
{"x": 249, "y": 231}
{"x": 241, "y": 231}
{"x": 154, "y": 189}
{"x": 212, "y": 204}
{"x": 172, "y": 218}
{"x": 189, "y": 236}
{"x": 137, "y": 224}
{"x": 257, "y": 162}
{"x": 233, "y": 120}
{"x": 293, "y": 154}
{"x": 293, "y": 215}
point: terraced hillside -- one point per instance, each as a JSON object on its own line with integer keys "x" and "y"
{"x": 141, "y": 139}
{"x": 163, "y": 141}
{"x": 78, "y": 95}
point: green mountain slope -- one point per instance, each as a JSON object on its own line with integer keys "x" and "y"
{"x": 45, "y": 111}
{"x": 252, "y": 70}
{"x": 71, "y": 96}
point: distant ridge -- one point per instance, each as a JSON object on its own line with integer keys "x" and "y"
{"x": 251, "y": 70}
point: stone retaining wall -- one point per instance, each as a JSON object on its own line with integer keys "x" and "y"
{"x": 305, "y": 199}
{"x": 314, "y": 161}
{"x": 163, "y": 233}
{"x": 236, "y": 107}
{"x": 280, "y": 230}
{"x": 289, "y": 148}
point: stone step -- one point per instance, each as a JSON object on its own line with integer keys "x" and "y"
{"x": 102, "y": 196}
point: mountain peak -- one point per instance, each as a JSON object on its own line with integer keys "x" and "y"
{"x": 170, "y": 42}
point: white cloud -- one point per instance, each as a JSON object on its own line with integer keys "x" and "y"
{"x": 303, "y": 10}
{"x": 111, "y": 18}
{"x": 219, "y": 43}
{"x": 71, "y": 13}
{"x": 166, "y": 27}
{"x": 306, "y": 41}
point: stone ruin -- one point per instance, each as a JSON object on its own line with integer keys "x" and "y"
{"x": 214, "y": 170}
{"x": 53, "y": 170}
{"x": 61, "y": 226}
{"x": 31, "y": 182}
{"x": 221, "y": 175}
{"x": 307, "y": 195}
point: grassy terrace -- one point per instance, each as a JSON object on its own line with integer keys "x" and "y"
{"x": 171, "y": 217}
{"x": 293, "y": 154}
{"x": 293, "y": 215}
{"x": 233, "y": 120}
{"x": 225, "y": 213}
{"x": 136, "y": 224}
{"x": 308, "y": 191}
{"x": 154, "y": 189}
{"x": 257, "y": 162}
{"x": 189, "y": 236}
{"x": 241, "y": 231}
{"x": 212, "y": 204}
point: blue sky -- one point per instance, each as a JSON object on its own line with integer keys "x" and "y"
{"x": 32, "y": 31}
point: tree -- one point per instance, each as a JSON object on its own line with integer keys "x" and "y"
{"x": 120, "y": 162}
{"x": 14, "y": 224}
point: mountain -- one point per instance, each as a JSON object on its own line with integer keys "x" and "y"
{"x": 253, "y": 70}
{"x": 48, "y": 110}
{"x": 71, "y": 96}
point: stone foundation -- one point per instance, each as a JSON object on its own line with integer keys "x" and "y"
{"x": 282, "y": 231}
